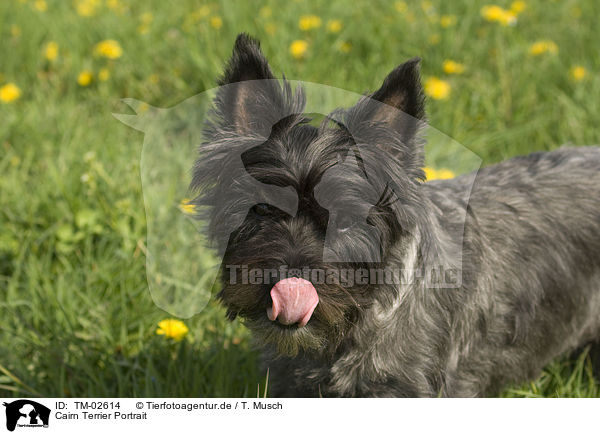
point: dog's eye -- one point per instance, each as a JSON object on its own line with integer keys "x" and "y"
{"x": 263, "y": 210}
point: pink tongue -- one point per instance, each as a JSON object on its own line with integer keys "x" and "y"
{"x": 294, "y": 301}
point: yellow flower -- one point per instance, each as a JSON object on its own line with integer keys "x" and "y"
{"x": 432, "y": 174}
{"x": 452, "y": 67}
{"x": 109, "y": 48}
{"x": 270, "y": 28}
{"x": 436, "y": 88}
{"x": 9, "y": 92}
{"x": 517, "y": 7}
{"x": 15, "y": 30}
{"x": 103, "y": 74}
{"x": 495, "y": 13}
{"x": 578, "y": 73}
{"x": 154, "y": 78}
{"x": 401, "y": 7}
{"x": 172, "y": 328}
{"x": 345, "y": 47}
{"x": 51, "y": 51}
{"x": 427, "y": 7}
{"x": 40, "y": 5}
{"x": 544, "y": 46}
{"x": 309, "y": 22}
{"x": 187, "y": 207}
{"x": 216, "y": 22}
{"x": 265, "y": 12}
{"x": 334, "y": 26}
{"x": 447, "y": 20}
{"x": 445, "y": 174}
{"x": 84, "y": 78}
{"x": 434, "y": 38}
{"x": 87, "y": 8}
{"x": 298, "y": 48}
{"x": 200, "y": 13}
{"x": 492, "y": 13}
{"x": 113, "y": 4}
{"x": 146, "y": 17}
{"x": 143, "y": 29}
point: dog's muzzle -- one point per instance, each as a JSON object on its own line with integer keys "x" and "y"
{"x": 294, "y": 301}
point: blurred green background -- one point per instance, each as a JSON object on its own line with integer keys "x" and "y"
{"x": 76, "y": 316}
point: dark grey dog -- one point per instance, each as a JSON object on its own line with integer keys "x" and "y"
{"x": 520, "y": 239}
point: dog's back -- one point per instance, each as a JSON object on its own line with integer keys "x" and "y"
{"x": 531, "y": 260}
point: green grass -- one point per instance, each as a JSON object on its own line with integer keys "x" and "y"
{"x": 76, "y": 316}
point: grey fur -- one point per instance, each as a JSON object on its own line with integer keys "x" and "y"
{"x": 530, "y": 292}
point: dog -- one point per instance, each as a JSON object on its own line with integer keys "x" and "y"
{"x": 522, "y": 237}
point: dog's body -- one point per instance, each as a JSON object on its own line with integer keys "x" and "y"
{"x": 530, "y": 291}
{"x": 525, "y": 236}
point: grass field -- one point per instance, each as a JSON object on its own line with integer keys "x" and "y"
{"x": 76, "y": 316}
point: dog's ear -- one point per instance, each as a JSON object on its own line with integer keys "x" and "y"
{"x": 392, "y": 116}
{"x": 250, "y": 100}
{"x": 401, "y": 95}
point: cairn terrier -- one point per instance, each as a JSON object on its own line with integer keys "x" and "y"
{"x": 359, "y": 279}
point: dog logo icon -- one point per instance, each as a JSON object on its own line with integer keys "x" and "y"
{"x": 26, "y": 413}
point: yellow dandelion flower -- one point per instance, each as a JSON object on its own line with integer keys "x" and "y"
{"x": 498, "y": 14}
{"x": 401, "y": 7}
{"x": 436, "y": 88}
{"x": 113, "y": 4}
{"x": 104, "y": 74}
{"x": 309, "y": 22}
{"x": 85, "y": 78}
{"x": 508, "y": 19}
{"x": 345, "y": 47}
{"x": 544, "y": 46}
{"x": 429, "y": 173}
{"x": 433, "y": 174}
{"x": 40, "y": 5}
{"x": 200, "y": 13}
{"x": 448, "y": 20}
{"x": 334, "y": 26}
{"x": 270, "y": 28}
{"x": 9, "y": 92}
{"x": 265, "y": 12}
{"x": 517, "y": 7}
{"x": 578, "y": 73}
{"x": 154, "y": 78}
{"x": 172, "y": 328}
{"x": 147, "y": 17}
{"x": 434, "y": 39}
{"x": 445, "y": 174}
{"x": 216, "y": 22}
{"x": 187, "y": 207}
{"x": 427, "y": 7}
{"x": 109, "y": 48}
{"x": 87, "y": 8}
{"x": 452, "y": 67}
{"x": 51, "y": 51}
{"x": 298, "y": 48}
{"x": 15, "y": 31}
{"x": 492, "y": 12}
{"x": 143, "y": 29}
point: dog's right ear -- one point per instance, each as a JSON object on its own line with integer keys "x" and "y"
{"x": 250, "y": 100}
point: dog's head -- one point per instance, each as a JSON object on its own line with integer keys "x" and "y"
{"x": 296, "y": 208}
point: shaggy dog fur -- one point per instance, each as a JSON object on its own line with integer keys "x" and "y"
{"x": 523, "y": 234}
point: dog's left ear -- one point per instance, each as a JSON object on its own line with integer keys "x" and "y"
{"x": 250, "y": 100}
{"x": 402, "y": 94}
{"x": 391, "y": 117}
